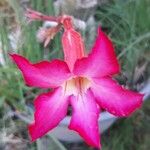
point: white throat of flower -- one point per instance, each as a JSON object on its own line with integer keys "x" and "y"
{"x": 76, "y": 86}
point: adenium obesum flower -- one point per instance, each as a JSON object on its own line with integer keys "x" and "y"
{"x": 82, "y": 81}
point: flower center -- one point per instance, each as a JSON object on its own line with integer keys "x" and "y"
{"x": 76, "y": 86}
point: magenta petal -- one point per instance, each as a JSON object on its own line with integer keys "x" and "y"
{"x": 101, "y": 61}
{"x": 73, "y": 46}
{"x": 44, "y": 74}
{"x": 85, "y": 118}
{"x": 50, "y": 108}
{"x": 114, "y": 98}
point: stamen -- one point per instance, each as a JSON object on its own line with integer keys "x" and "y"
{"x": 76, "y": 86}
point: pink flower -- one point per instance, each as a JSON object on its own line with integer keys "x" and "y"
{"x": 82, "y": 81}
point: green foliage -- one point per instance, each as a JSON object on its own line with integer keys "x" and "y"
{"x": 131, "y": 133}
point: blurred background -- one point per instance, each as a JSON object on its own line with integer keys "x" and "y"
{"x": 127, "y": 23}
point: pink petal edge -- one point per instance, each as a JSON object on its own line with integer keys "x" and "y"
{"x": 50, "y": 109}
{"x": 102, "y": 60}
{"x": 85, "y": 118}
{"x": 114, "y": 98}
{"x": 44, "y": 74}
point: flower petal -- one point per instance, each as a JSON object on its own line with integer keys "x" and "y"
{"x": 114, "y": 98}
{"x": 73, "y": 46}
{"x": 101, "y": 61}
{"x": 50, "y": 108}
{"x": 85, "y": 118}
{"x": 43, "y": 74}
